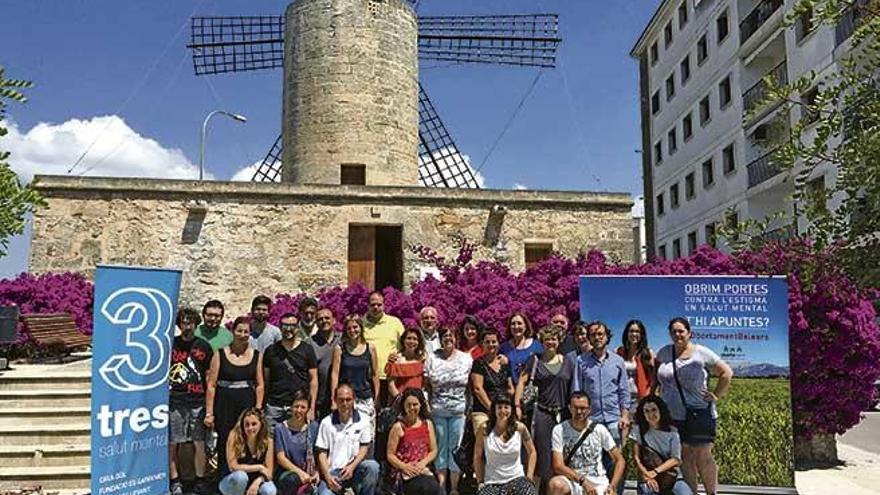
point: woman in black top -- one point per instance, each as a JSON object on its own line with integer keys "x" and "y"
{"x": 250, "y": 455}
{"x": 234, "y": 384}
{"x": 490, "y": 377}
{"x": 354, "y": 363}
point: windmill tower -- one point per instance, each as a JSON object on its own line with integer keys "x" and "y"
{"x": 353, "y": 110}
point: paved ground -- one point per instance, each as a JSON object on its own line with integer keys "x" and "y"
{"x": 859, "y": 449}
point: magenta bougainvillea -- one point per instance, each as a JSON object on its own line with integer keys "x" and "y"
{"x": 834, "y": 333}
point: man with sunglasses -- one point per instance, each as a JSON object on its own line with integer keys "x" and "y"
{"x": 289, "y": 365}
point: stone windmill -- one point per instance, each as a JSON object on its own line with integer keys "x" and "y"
{"x": 354, "y": 111}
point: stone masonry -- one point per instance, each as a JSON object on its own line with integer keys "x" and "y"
{"x": 351, "y": 91}
{"x": 236, "y": 240}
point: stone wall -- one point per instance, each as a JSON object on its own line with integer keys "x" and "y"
{"x": 235, "y": 240}
{"x": 351, "y": 91}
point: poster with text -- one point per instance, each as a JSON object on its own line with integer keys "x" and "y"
{"x": 742, "y": 319}
{"x": 133, "y": 329}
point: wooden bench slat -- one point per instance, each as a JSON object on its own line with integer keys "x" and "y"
{"x": 55, "y": 329}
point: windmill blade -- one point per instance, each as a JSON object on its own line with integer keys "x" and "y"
{"x": 524, "y": 39}
{"x": 440, "y": 162}
{"x": 270, "y": 169}
{"x": 236, "y": 43}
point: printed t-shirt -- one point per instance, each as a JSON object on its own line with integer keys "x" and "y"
{"x": 190, "y": 361}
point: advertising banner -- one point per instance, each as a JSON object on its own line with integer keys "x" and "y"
{"x": 132, "y": 333}
{"x": 744, "y": 320}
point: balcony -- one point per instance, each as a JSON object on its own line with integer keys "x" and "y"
{"x": 757, "y": 93}
{"x": 762, "y": 168}
{"x": 756, "y": 18}
{"x": 849, "y": 21}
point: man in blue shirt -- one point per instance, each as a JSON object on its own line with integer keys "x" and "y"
{"x": 602, "y": 375}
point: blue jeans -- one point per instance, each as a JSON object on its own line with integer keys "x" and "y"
{"x": 236, "y": 483}
{"x": 679, "y": 488}
{"x": 448, "y": 428}
{"x": 606, "y": 459}
{"x": 363, "y": 482}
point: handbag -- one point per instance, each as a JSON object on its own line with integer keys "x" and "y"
{"x": 699, "y": 425}
{"x": 530, "y": 391}
{"x": 651, "y": 459}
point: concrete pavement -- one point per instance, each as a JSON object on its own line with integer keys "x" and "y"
{"x": 859, "y": 474}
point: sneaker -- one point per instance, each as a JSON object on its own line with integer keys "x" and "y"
{"x": 203, "y": 487}
{"x": 176, "y": 488}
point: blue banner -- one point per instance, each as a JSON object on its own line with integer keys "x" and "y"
{"x": 134, "y": 312}
{"x": 745, "y": 321}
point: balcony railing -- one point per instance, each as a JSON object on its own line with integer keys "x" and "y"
{"x": 762, "y": 169}
{"x": 756, "y": 94}
{"x": 756, "y": 18}
{"x": 779, "y": 234}
{"x": 849, "y": 21}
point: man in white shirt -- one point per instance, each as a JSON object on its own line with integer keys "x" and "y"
{"x": 343, "y": 441}
{"x": 429, "y": 323}
{"x": 577, "y": 446}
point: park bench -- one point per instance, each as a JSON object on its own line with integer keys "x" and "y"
{"x": 57, "y": 332}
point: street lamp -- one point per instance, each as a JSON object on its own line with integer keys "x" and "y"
{"x": 235, "y": 116}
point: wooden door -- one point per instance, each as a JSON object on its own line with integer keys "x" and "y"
{"x": 362, "y": 255}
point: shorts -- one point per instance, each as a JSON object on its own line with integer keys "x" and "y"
{"x": 577, "y": 489}
{"x": 705, "y": 438}
{"x": 186, "y": 423}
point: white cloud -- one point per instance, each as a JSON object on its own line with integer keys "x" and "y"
{"x": 247, "y": 173}
{"x": 118, "y": 151}
{"x": 450, "y": 164}
{"x": 520, "y": 187}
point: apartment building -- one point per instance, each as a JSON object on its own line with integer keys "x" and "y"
{"x": 706, "y": 155}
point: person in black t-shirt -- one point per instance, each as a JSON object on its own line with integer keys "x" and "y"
{"x": 288, "y": 366}
{"x": 190, "y": 360}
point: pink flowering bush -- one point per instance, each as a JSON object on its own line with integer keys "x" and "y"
{"x": 49, "y": 293}
{"x": 834, "y": 335}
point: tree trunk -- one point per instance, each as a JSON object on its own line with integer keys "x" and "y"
{"x": 821, "y": 450}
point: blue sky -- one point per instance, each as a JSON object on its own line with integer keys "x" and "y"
{"x": 115, "y": 77}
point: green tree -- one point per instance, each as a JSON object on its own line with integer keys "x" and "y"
{"x": 16, "y": 200}
{"x": 837, "y": 124}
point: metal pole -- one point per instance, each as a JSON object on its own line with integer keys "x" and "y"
{"x": 234, "y": 116}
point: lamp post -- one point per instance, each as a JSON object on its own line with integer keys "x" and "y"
{"x": 234, "y": 116}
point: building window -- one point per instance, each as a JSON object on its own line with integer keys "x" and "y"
{"x": 667, "y": 34}
{"x": 728, "y": 159}
{"x": 673, "y": 196}
{"x": 672, "y": 140}
{"x": 722, "y": 27}
{"x": 690, "y": 190}
{"x": 537, "y": 252}
{"x": 676, "y": 249}
{"x": 661, "y": 206}
{"x": 705, "y": 111}
{"x": 724, "y": 93}
{"x": 682, "y": 14}
{"x": 655, "y": 102}
{"x": 709, "y": 233}
{"x": 687, "y": 126}
{"x": 685, "y": 69}
{"x": 708, "y": 173}
{"x": 658, "y": 152}
{"x": 655, "y": 53}
{"x": 692, "y": 242}
{"x": 809, "y": 111}
{"x": 661, "y": 251}
{"x": 804, "y": 24}
{"x": 702, "y": 49}
{"x": 670, "y": 87}
{"x": 354, "y": 174}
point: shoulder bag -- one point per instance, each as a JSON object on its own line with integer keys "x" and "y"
{"x": 699, "y": 425}
{"x": 651, "y": 460}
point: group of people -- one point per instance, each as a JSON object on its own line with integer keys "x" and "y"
{"x": 299, "y": 407}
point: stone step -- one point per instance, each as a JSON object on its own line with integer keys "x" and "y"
{"x": 49, "y": 456}
{"x": 52, "y": 478}
{"x": 52, "y": 380}
{"x": 45, "y": 435}
{"x": 72, "y": 397}
{"x": 43, "y": 415}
